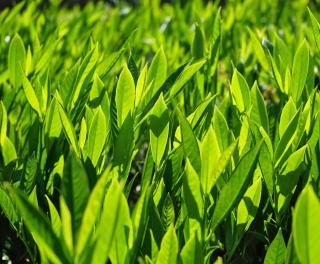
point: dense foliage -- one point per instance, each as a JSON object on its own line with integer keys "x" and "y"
{"x": 160, "y": 133}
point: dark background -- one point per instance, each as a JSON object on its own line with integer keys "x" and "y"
{"x": 10, "y": 3}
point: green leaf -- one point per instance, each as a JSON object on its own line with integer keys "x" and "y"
{"x": 132, "y": 66}
{"x": 198, "y": 115}
{"x": 192, "y": 251}
{"x": 85, "y": 74}
{"x": 277, "y": 250}
{"x": 169, "y": 248}
{"x": 240, "y": 91}
{"x": 294, "y": 161}
{"x": 31, "y": 96}
{"x": 91, "y": 213}
{"x": 97, "y": 136}
{"x": 189, "y": 141}
{"x": 210, "y": 154}
{"x": 157, "y": 72}
{"x": 244, "y": 140}
{"x": 75, "y": 190}
{"x": 192, "y": 193}
{"x": 154, "y": 248}
{"x": 159, "y": 129}
{"x": 258, "y": 50}
{"x": 69, "y": 82}
{"x": 83, "y": 133}
{"x": 259, "y": 112}
{"x": 221, "y": 128}
{"x": 299, "y": 71}
{"x": 141, "y": 85}
{"x": 124, "y": 144}
{"x": 152, "y": 96}
{"x": 305, "y": 226}
{"x": 69, "y": 130}
{"x": 53, "y": 125}
{"x": 30, "y": 176}
{"x": 97, "y": 87}
{"x": 66, "y": 224}
{"x": 57, "y": 170}
{"x": 287, "y": 81}
{"x": 125, "y": 94}
{"x": 267, "y": 168}
{"x": 288, "y": 177}
{"x": 41, "y": 230}
{"x": 8, "y": 208}
{"x": 140, "y": 218}
{"x": 302, "y": 126}
{"x": 198, "y": 44}
{"x": 291, "y": 255}
{"x": 4, "y": 123}
{"x": 108, "y": 224}
{"x": 316, "y": 28}
{"x": 54, "y": 218}
{"x": 215, "y": 42}
{"x": 123, "y": 237}
{"x": 8, "y": 150}
{"x": 277, "y": 75}
{"x": 147, "y": 170}
{"x": 16, "y": 60}
{"x": 247, "y": 210}
{"x": 288, "y": 112}
{"x": 235, "y": 188}
{"x": 168, "y": 215}
{"x": 185, "y": 76}
{"x": 29, "y": 64}
{"x": 248, "y": 206}
{"x": 286, "y": 140}
{"x": 224, "y": 160}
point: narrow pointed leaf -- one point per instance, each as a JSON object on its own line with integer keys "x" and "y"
{"x": 235, "y": 188}
{"x": 169, "y": 248}
{"x": 16, "y": 60}
{"x": 125, "y": 94}
{"x": 277, "y": 250}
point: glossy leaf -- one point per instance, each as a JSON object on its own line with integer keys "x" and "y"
{"x": 300, "y": 71}
{"x": 191, "y": 252}
{"x": 125, "y": 94}
{"x": 277, "y": 250}
{"x": 31, "y": 96}
{"x": 259, "y": 112}
{"x": 240, "y": 91}
{"x": 192, "y": 193}
{"x": 97, "y": 136}
{"x": 316, "y": 28}
{"x": 198, "y": 43}
{"x": 185, "y": 76}
{"x": 157, "y": 72}
{"x": 169, "y": 248}
{"x": 159, "y": 129}
{"x": 41, "y": 230}
{"x": 16, "y": 61}
{"x": 69, "y": 130}
{"x": 233, "y": 191}
{"x": 210, "y": 155}
{"x": 108, "y": 223}
{"x": 306, "y": 229}
{"x": 189, "y": 141}
{"x": 8, "y": 151}
{"x": 75, "y": 190}
{"x": 91, "y": 213}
